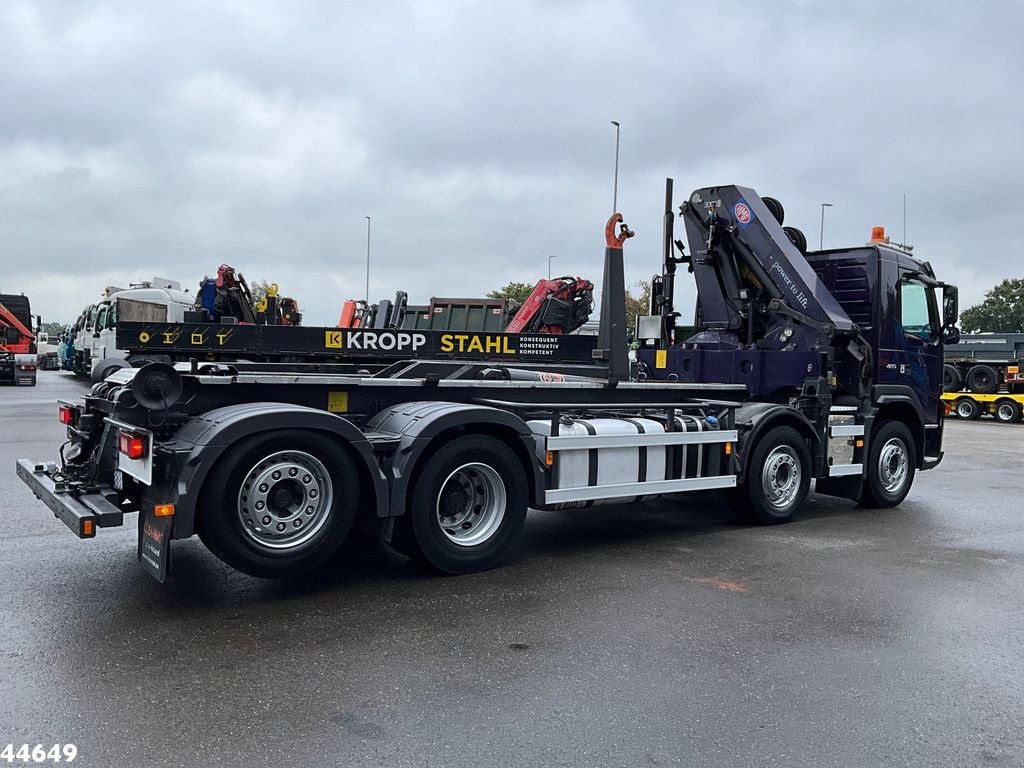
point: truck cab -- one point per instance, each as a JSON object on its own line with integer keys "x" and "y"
{"x": 97, "y": 355}
{"x": 903, "y": 312}
{"x": 848, "y": 342}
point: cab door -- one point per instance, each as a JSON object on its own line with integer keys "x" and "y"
{"x": 918, "y": 336}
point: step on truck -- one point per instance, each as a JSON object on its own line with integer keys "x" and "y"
{"x": 442, "y": 450}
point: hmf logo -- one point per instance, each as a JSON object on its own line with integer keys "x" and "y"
{"x": 742, "y": 212}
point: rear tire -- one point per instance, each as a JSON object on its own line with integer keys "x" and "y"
{"x": 1007, "y": 411}
{"x": 983, "y": 379}
{"x": 892, "y": 462}
{"x": 468, "y": 505}
{"x": 952, "y": 381}
{"x": 279, "y": 503}
{"x": 967, "y": 409}
{"x": 778, "y": 477}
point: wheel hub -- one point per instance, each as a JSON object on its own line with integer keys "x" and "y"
{"x": 471, "y": 504}
{"x": 284, "y": 500}
{"x": 780, "y": 477}
{"x": 893, "y": 465}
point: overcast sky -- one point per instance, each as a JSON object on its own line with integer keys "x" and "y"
{"x": 166, "y": 138}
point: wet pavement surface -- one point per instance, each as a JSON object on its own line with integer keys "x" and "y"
{"x": 659, "y": 634}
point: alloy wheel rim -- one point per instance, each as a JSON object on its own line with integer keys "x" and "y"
{"x": 471, "y": 504}
{"x": 893, "y": 465}
{"x": 781, "y": 476}
{"x": 285, "y": 500}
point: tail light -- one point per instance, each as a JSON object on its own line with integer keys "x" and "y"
{"x": 66, "y": 415}
{"x": 26, "y": 367}
{"x": 132, "y": 446}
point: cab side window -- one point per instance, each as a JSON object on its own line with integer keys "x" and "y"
{"x": 918, "y": 313}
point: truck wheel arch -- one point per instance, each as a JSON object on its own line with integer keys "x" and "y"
{"x": 905, "y": 412}
{"x": 755, "y": 419}
{"x": 216, "y": 432}
{"x": 427, "y": 425}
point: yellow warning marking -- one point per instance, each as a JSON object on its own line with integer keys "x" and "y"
{"x": 661, "y": 358}
{"x": 332, "y": 340}
{"x": 337, "y": 402}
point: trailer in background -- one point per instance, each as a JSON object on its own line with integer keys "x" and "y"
{"x": 985, "y": 363}
{"x": 1006, "y": 408}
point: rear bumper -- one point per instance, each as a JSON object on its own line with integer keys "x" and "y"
{"x": 82, "y": 513}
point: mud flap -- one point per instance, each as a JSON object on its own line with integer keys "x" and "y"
{"x": 843, "y": 487}
{"x": 154, "y": 552}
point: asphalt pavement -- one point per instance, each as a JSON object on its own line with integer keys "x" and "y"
{"x": 659, "y": 634}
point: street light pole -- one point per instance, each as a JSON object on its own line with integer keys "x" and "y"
{"x": 549, "y": 265}
{"x": 367, "y": 261}
{"x": 821, "y": 235}
{"x": 615, "y": 189}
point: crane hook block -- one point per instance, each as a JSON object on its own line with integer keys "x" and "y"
{"x": 613, "y": 240}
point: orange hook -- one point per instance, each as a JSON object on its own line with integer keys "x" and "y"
{"x": 613, "y": 240}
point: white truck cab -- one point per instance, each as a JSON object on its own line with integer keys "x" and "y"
{"x": 160, "y": 301}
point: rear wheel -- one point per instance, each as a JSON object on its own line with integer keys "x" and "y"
{"x": 891, "y": 466}
{"x": 468, "y": 505}
{"x": 966, "y": 408}
{"x": 1008, "y": 411}
{"x": 778, "y": 477}
{"x": 983, "y": 379}
{"x": 279, "y": 503}
{"x": 952, "y": 381}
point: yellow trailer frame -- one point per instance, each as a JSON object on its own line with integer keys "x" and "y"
{"x": 1008, "y": 409}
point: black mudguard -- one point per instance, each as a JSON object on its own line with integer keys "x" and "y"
{"x": 754, "y": 419}
{"x": 201, "y": 442}
{"x": 418, "y": 424}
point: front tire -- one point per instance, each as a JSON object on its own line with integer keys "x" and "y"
{"x": 892, "y": 462}
{"x": 967, "y": 409}
{"x": 778, "y": 477}
{"x": 279, "y": 503}
{"x": 468, "y": 505}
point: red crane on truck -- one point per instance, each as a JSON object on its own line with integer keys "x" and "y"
{"x": 17, "y": 341}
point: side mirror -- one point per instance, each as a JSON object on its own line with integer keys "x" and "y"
{"x": 950, "y": 334}
{"x": 950, "y": 305}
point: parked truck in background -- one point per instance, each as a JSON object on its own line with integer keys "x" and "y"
{"x": 985, "y": 363}
{"x": 18, "y": 331}
{"x": 443, "y": 448}
{"x": 96, "y": 354}
{"x": 983, "y": 374}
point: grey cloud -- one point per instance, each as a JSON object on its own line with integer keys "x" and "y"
{"x": 151, "y": 138}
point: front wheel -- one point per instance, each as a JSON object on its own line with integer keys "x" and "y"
{"x": 967, "y": 409}
{"x": 892, "y": 463}
{"x": 279, "y": 503}
{"x": 778, "y": 477}
{"x": 468, "y": 505}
